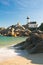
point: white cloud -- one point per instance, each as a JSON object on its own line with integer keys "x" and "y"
{"x": 28, "y": 3}
{"x": 22, "y": 3}
{"x": 5, "y": 2}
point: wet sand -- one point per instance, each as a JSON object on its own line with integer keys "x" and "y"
{"x": 19, "y": 57}
{"x": 18, "y": 60}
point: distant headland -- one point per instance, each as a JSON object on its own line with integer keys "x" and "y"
{"x": 21, "y": 30}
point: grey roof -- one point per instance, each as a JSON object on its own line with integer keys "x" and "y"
{"x": 34, "y": 22}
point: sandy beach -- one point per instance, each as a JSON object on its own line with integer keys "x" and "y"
{"x": 19, "y": 57}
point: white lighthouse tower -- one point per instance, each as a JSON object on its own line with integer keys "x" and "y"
{"x": 28, "y": 19}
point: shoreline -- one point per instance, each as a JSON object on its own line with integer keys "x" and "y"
{"x": 6, "y": 53}
{"x": 18, "y": 60}
{"x": 19, "y": 57}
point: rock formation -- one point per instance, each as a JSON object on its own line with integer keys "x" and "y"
{"x": 33, "y": 44}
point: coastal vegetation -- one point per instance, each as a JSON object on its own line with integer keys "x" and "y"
{"x": 41, "y": 27}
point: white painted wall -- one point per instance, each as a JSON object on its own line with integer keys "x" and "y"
{"x": 32, "y": 25}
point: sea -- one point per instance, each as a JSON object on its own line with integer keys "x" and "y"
{"x": 7, "y": 50}
{"x": 6, "y": 40}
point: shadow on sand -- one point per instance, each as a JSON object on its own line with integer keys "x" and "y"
{"x": 35, "y": 58}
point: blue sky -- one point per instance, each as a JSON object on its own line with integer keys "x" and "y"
{"x": 13, "y": 11}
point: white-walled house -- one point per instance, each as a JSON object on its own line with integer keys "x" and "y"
{"x": 32, "y": 24}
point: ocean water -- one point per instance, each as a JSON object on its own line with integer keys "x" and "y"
{"x": 4, "y": 40}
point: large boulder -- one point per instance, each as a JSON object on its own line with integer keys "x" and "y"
{"x": 34, "y": 43}
{"x": 37, "y": 31}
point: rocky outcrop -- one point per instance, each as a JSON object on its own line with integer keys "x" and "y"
{"x": 27, "y": 32}
{"x": 15, "y": 30}
{"x": 18, "y": 30}
{"x": 33, "y": 44}
{"x": 37, "y": 31}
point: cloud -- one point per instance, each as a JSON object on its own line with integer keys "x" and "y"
{"x": 28, "y": 3}
{"x": 22, "y": 3}
{"x": 5, "y": 2}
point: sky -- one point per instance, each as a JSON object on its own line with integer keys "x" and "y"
{"x": 13, "y": 11}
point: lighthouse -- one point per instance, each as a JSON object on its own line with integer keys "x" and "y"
{"x": 28, "y": 19}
